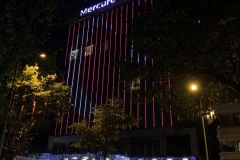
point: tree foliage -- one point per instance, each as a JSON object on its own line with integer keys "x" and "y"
{"x": 109, "y": 120}
{"x": 34, "y": 97}
{"x": 188, "y": 40}
{"x": 27, "y": 28}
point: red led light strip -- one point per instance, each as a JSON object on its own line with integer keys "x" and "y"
{"x": 73, "y": 33}
{"x": 104, "y": 61}
{"x": 73, "y": 117}
{"x": 153, "y": 102}
{"x": 65, "y": 63}
{"x": 66, "y": 54}
{"x": 170, "y": 111}
{"x": 145, "y": 98}
{"x": 109, "y": 56}
{"x": 161, "y": 111}
{"x": 79, "y": 69}
{"x": 99, "y": 59}
{"x": 95, "y": 52}
{"x": 85, "y": 60}
{"x": 89, "y": 61}
{"x": 120, "y": 50}
{"x": 131, "y": 97}
{"x": 125, "y": 57}
{"x": 83, "y": 73}
{"x": 115, "y": 46}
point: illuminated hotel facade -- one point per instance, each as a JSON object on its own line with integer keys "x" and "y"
{"x": 96, "y": 41}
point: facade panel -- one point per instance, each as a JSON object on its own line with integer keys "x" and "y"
{"x": 95, "y": 44}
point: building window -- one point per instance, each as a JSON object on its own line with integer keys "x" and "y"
{"x": 74, "y": 54}
{"x": 88, "y": 50}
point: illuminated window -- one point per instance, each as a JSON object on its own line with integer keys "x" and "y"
{"x": 135, "y": 85}
{"x": 88, "y": 50}
{"x": 74, "y": 54}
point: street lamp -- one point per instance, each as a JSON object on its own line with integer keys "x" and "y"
{"x": 194, "y": 87}
{"x": 43, "y": 55}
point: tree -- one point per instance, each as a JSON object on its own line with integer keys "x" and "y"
{"x": 188, "y": 40}
{"x": 109, "y": 120}
{"x": 34, "y": 97}
{"x": 27, "y": 28}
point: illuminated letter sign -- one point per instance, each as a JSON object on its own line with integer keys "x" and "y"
{"x": 96, "y": 7}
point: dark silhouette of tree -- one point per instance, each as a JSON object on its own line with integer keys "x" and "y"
{"x": 188, "y": 41}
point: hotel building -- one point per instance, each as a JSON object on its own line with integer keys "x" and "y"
{"x": 97, "y": 40}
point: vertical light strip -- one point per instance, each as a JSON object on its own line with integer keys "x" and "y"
{"x": 153, "y": 101}
{"x": 120, "y": 50}
{"x": 170, "y": 107}
{"x": 94, "y": 64}
{"x": 70, "y": 56}
{"x": 65, "y": 63}
{"x": 83, "y": 73}
{"x": 89, "y": 62}
{"x": 61, "y": 126}
{"x": 126, "y": 30}
{"x": 66, "y": 54}
{"x": 104, "y": 61}
{"x": 115, "y": 47}
{"x": 161, "y": 112}
{"x": 109, "y": 56}
{"x": 75, "y": 60}
{"x": 131, "y": 97}
{"x": 79, "y": 70}
{"x": 99, "y": 60}
{"x": 88, "y": 28}
{"x": 162, "y": 116}
{"x": 145, "y": 98}
{"x": 138, "y": 105}
{"x": 73, "y": 117}
{"x": 125, "y": 56}
{"x": 66, "y": 129}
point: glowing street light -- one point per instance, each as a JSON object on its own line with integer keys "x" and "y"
{"x": 43, "y": 55}
{"x": 194, "y": 87}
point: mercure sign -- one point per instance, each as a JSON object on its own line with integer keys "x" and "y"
{"x": 96, "y": 7}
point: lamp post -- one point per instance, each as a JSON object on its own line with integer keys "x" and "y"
{"x": 194, "y": 87}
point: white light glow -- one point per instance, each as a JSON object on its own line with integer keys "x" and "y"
{"x": 65, "y": 158}
{"x": 169, "y": 158}
{"x": 194, "y": 87}
{"x": 85, "y": 158}
{"x": 74, "y": 158}
{"x": 185, "y": 159}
